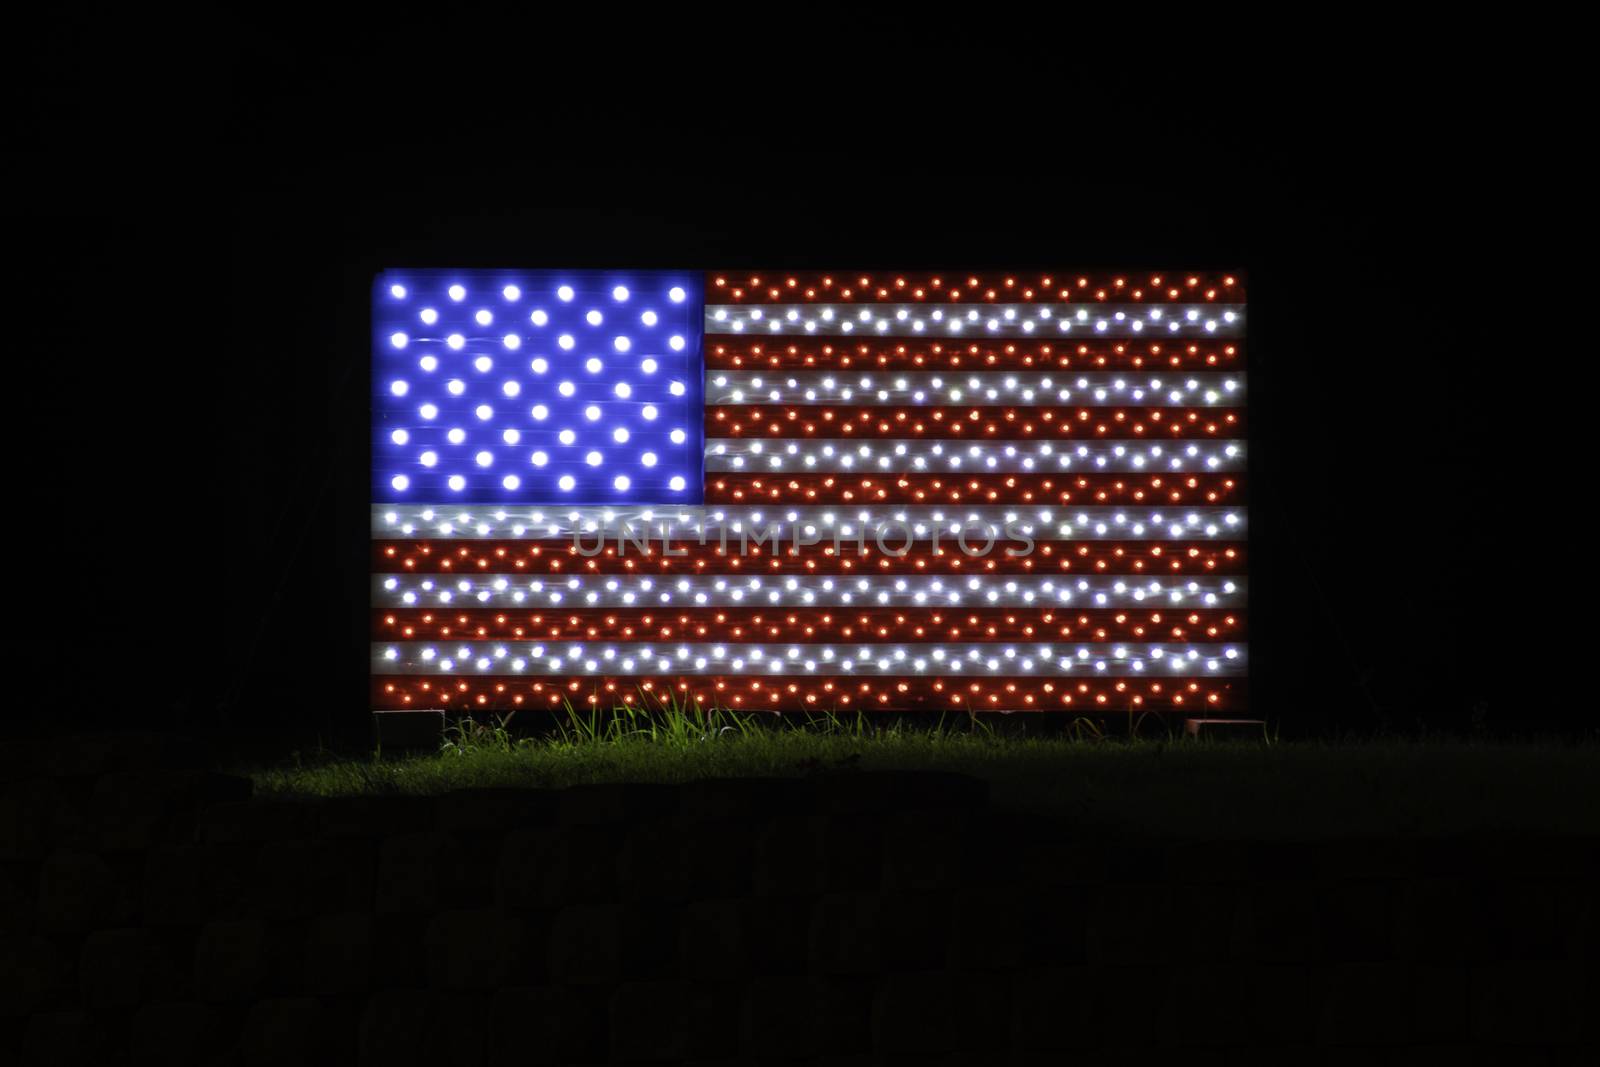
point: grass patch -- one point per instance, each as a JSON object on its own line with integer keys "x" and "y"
{"x": 1166, "y": 786}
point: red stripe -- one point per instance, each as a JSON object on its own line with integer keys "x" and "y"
{"x": 968, "y": 287}
{"x": 1048, "y": 557}
{"x": 736, "y": 352}
{"x": 809, "y": 693}
{"x": 975, "y": 423}
{"x": 948, "y": 488}
{"x": 810, "y": 625}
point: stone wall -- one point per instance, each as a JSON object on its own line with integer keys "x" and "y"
{"x": 159, "y": 915}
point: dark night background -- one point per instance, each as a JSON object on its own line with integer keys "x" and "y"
{"x": 190, "y": 540}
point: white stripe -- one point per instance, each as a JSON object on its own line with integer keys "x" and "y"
{"x": 988, "y": 320}
{"x": 1040, "y": 388}
{"x": 889, "y": 455}
{"x": 624, "y": 591}
{"x": 709, "y": 523}
{"x": 536, "y": 658}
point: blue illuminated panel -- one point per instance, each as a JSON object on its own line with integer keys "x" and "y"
{"x": 538, "y": 387}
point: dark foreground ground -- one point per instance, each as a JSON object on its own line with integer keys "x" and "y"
{"x": 803, "y": 902}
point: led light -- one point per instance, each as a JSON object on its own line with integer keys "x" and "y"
{"x": 593, "y": 318}
{"x": 511, "y": 435}
{"x": 398, "y": 339}
{"x": 623, "y": 390}
{"x": 429, "y": 412}
{"x": 566, "y": 341}
{"x": 484, "y": 317}
{"x": 648, "y": 459}
{"x": 399, "y": 437}
{"x": 566, "y": 389}
{"x": 484, "y": 412}
{"x": 511, "y": 481}
{"x": 539, "y": 459}
{"x": 593, "y": 459}
{"x": 540, "y": 412}
{"x": 676, "y": 294}
{"x": 649, "y": 412}
{"x": 398, "y": 388}
{"x": 511, "y": 388}
{"x": 677, "y": 388}
{"x": 567, "y": 482}
{"x": 397, "y": 291}
{"x": 592, "y": 413}
{"x": 456, "y": 435}
{"x": 676, "y": 484}
{"x": 539, "y": 318}
{"x": 456, "y": 386}
{"x": 567, "y": 437}
{"x": 648, "y": 318}
{"x": 620, "y": 482}
{"x": 400, "y": 482}
{"x": 676, "y": 343}
{"x": 428, "y": 316}
{"x": 622, "y": 344}
{"x": 483, "y": 363}
{"x": 678, "y": 437}
{"x": 619, "y": 294}
{"x": 648, "y": 366}
{"x": 564, "y": 293}
{"x": 620, "y": 435}
{"x": 455, "y": 341}
{"x": 457, "y": 483}
{"x": 593, "y": 366}
{"x": 484, "y": 458}
{"x": 511, "y": 341}
{"x": 458, "y": 292}
{"x": 540, "y": 365}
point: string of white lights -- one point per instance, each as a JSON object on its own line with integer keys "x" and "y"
{"x": 891, "y": 455}
{"x": 996, "y": 320}
{"x": 563, "y": 658}
{"x": 1090, "y": 389}
{"x": 917, "y": 521}
{"x": 625, "y": 591}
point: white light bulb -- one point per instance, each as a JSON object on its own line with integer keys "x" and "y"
{"x": 511, "y": 436}
{"x": 564, "y": 293}
{"x": 566, "y": 389}
{"x": 649, "y": 412}
{"x": 457, "y": 483}
{"x": 456, "y": 435}
{"x": 511, "y": 292}
{"x": 623, "y": 390}
{"x": 457, "y": 293}
{"x": 676, "y": 484}
{"x": 483, "y": 363}
{"x": 566, "y": 341}
{"x": 648, "y": 318}
{"x": 677, "y": 388}
{"x": 484, "y": 317}
{"x": 620, "y": 481}
{"x": 678, "y": 437}
{"x": 594, "y": 459}
{"x": 593, "y": 366}
{"x": 484, "y": 412}
{"x": 539, "y": 459}
{"x": 511, "y": 388}
{"x": 429, "y": 316}
{"x": 397, "y": 291}
{"x": 540, "y": 365}
{"x": 540, "y": 412}
{"x": 511, "y": 341}
{"x": 400, "y": 437}
{"x": 567, "y": 482}
{"x": 484, "y": 458}
{"x": 398, "y": 339}
{"x": 428, "y": 411}
{"x": 676, "y": 294}
{"x": 592, "y": 413}
{"x": 400, "y": 482}
{"x": 539, "y": 318}
{"x": 676, "y": 344}
{"x": 648, "y": 366}
{"x": 567, "y": 437}
{"x": 455, "y": 341}
{"x": 620, "y": 293}
{"x": 620, "y": 435}
{"x": 398, "y": 388}
{"x": 648, "y": 459}
{"x": 428, "y": 459}
{"x": 622, "y": 344}
{"x": 594, "y": 318}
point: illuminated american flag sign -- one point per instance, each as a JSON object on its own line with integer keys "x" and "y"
{"x": 809, "y": 491}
